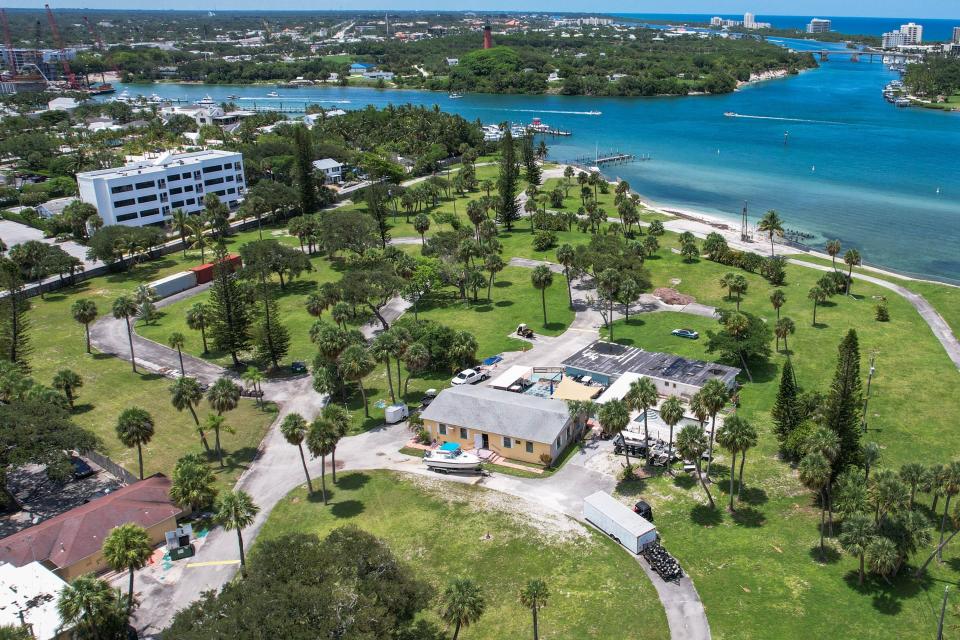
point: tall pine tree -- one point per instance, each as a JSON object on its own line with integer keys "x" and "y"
{"x": 14, "y": 325}
{"x": 508, "y": 211}
{"x": 786, "y": 411}
{"x": 306, "y": 184}
{"x": 533, "y": 173}
{"x": 271, "y": 338}
{"x": 230, "y": 326}
{"x": 844, "y": 401}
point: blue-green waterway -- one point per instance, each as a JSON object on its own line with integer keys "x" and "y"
{"x": 855, "y": 168}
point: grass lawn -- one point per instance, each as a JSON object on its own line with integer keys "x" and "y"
{"x": 762, "y": 562}
{"x": 438, "y": 529}
{"x": 110, "y": 386}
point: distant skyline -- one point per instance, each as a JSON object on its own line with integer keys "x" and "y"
{"x": 930, "y": 9}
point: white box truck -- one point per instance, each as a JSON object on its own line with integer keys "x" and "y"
{"x": 618, "y": 521}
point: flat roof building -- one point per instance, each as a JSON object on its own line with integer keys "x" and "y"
{"x": 29, "y": 597}
{"x": 147, "y": 192}
{"x": 605, "y": 362}
{"x": 513, "y": 425}
{"x": 819, "y": 25}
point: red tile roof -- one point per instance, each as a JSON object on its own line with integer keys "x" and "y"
{"x": 76, "y": 534}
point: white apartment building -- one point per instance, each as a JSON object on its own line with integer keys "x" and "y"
{"x": 748, "y": 21}
{"x": 819, "y": 25}
{"x": 912, "y": 33}
{"x": 956, "y": 35}
{"x": 147, "y": 192}
{"x": 892, "y": 40}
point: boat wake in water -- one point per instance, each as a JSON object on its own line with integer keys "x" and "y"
{"x": 741, "y": 115}
{"x": 285, "y": 99}
{"x": 572, "y": 113}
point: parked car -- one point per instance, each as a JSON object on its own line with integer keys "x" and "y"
{"x": 81, "y": 469}
{"x": 686, "y": 333}
{"x": 643, "y": 510}
{"x": 298, "y": 366}
{"x": 428, "y": 396}
{"x": 469, "y": 376}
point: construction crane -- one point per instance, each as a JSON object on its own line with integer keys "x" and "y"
{"x": 8, "y": 42}
{"x": 71, "y": 78}
{"x": 93, "y": 34}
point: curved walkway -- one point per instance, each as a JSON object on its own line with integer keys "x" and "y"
{"x": 933, "y": 319}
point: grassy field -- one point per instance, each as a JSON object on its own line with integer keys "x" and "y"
{"x": 110, "y": 386}
{"x": 439, "y": 528}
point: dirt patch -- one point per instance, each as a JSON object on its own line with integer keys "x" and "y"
{"x": 673, "y": 297}
{"x": 554, "y": 527}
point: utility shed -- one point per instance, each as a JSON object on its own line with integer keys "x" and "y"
{"x": 618, "y": 521}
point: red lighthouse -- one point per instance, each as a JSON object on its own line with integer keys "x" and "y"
{"x": 487, "y": 37}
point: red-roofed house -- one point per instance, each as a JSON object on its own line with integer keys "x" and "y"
{"x": 69, "y": 544}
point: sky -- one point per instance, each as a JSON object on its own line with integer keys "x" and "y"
{"x": 874, "y": 8}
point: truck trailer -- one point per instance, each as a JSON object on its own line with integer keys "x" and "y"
{"x": 618, "y": 521}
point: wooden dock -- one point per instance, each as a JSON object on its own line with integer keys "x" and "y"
{"x": 610, "y": 158}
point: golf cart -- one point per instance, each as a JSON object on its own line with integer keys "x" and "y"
{"x": 524, "y": 331}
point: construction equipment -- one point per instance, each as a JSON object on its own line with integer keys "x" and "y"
{"x": 93, "y": 34}
{"x": 8, "y": 42}
{"x": 71, "y": 78}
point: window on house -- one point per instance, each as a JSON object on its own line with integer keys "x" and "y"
{"x": 507, "y": 443}
{"x": 146, "y": 185}
{"x": 126, "y": 216}
{"x": 212, "y": 168}
{"x": 176, "y": 204}
{"x": 124, "y": 203}
{"x": 189, "y": 187}
{"x": 191, "y": 201}
{"x": 122, "y": 188}
{"x": 463, "y": 433}
{"x": 442, "y": 428}
{"x": 149, "y": 198}
{"x": 149, "y": 212}
{"x": 213, "y": 181}
{"x": 529, "y": 447}
{"x": 176, "y": 190}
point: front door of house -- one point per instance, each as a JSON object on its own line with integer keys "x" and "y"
{"x": 485, "y": 440}
{"x": 477, "y": 441}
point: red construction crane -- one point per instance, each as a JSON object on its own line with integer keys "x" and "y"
{"x": 71, "y": 79}
{"x": 8, "y": 42}
{"x": 93, "y": 34}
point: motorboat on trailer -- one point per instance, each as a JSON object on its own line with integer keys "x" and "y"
{"x": 450, "y": 457}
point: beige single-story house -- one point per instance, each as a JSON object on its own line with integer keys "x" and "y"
{"x": 513, "y": 425}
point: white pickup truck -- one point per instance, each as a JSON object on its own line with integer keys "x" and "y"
{"x": 469, "y": 376}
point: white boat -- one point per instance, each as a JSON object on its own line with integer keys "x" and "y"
{"x": 123, "y": 97}
{"x": 447, "y": 458}
{"x": 233, "y": 97}
{"x": 273, "y": 94}
{"x": 455, "y": 96}
{"x": 207, "y": 101}
{"x": 594, "y": 113}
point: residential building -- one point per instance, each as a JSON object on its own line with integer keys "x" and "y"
{"x": 29, "y": 597}
{"x": 716, "y": 21}
{"x": 359, "y": 68}
{"x": 912, "y": 33}
{"x": 607, "y": 362}
{"x": 956, "y": 35}
{"x": 452, "y": 62}
{"x": 378, "y": 75}
{"x": 331, "y": 170}
{"x": 819, "y": 25}
{"x": 748, "y": 21}
{"x": 513, "y": 425}
{"x": 70, "y": 544}
{"x": 54, "y": 207}
{"x": 892, "y": 40}
{"x": 147, "y": 192}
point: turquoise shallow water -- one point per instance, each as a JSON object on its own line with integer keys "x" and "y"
{"x": 855, "y": 168}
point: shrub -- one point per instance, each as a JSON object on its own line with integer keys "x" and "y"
{"x": 882, "y": 312}
{"x": 423, "y": 436}
{"x": 546, "y": 460}
{"x": 415, "y": 423}
{"x": 543, "y": 240}
{"x": 628, "y": 473}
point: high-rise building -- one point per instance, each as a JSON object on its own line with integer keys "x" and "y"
{"x": 716, "y": 21}
{"x": 819, "y": 25}
{"x": 912, "y": 33}
{"x": 892, "y": 40}
{"x": 748, "y": 21}
{"x": 956, "y": 35}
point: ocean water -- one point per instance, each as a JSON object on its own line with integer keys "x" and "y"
{"x": 932, "y": 29}
{"x": 856, "y": 168}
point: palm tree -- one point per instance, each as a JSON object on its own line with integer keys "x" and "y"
{"x": 692, "y": 444}
{"x": 494, "y": 264}
{"x": 882, "y": 556}
{"x": 833, "y": 249}
{"x": 339, "y": 419}
{"x": 852, "y": 258}
{"x": 198, "y": 319}
{"x": 738, "y": 285}
{"x": 223, "y": 396}
{"x": 541, "y": 277}
{"x": 566, "y": 256}
{"x": 817, "y": 295}
{"x": 871, "y": 456}
{"x": 134, "y": 429}
{"x": 67, "y": 382}
{"x": 186, "y": 393}
{"x": 85, "y": 605}
{"x": 727, "y": 282}
{"x": 200, "y": 240}
{"x": 462, "y": 604}
{"x": 815, "y": 475}
{"x": 176, "y": 341}
{"x": 193, "y": 484}
{"x": 253, "y": 377}
{"x": 778, "y": 298}
{"x": 235, "y": 511}
{"x": 355, "y": 364}
{"x": 125, "y": 307}
{"x": 784, "y": 328}
{"x": 715, "y": 395}
{"x": 772, "y": 224}
{"x": 642, "y": 396}
{"x": 381, "y": 349}
{"x": 736, "y": 436}
{"x": 534, "y": 596}
{"x": 127, "y": 547}
{"x": 181, "y": 222}
{"x": 858, "y": 532}
{"x": 320, "y": 442}
{"x": 614, "y": 417}
{"x": 416, "y": 359}
{"x": 84, "y": 311}
{"x": 951, "y": 487}
{"x": 294, "y": 430}
{"x": 671, "y": 412}
{"x": 913, "y": 473}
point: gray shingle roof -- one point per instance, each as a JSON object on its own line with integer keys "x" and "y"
{"x": 501, "y": 412}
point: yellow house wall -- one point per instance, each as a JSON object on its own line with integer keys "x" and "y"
{"x": 96, "y": 563}
{"x": 517, "y": 452}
